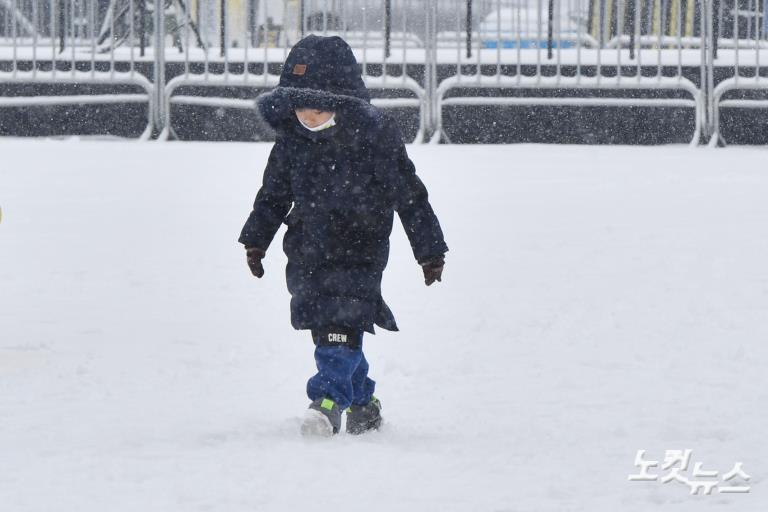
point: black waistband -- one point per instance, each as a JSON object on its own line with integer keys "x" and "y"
{"x": 337, "y": 337}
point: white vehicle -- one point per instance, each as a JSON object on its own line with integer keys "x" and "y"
{"x": 526, "y": 24}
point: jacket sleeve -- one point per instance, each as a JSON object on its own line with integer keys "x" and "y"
{"x": 412, "y": 204}
{"x": 273, "y": 201}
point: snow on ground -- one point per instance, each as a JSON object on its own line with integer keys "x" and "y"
{"x": 596, "y": 301}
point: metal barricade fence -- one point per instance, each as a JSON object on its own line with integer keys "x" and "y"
{"x": 578, "y": 45}
{"x": 69, "y": 43}
{"x": 254, "y": 36}
{"x": 424, "y": 54}
{"x": 739, "y": 41}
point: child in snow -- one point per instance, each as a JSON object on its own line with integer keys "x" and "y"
{"x": 341, "y": 165}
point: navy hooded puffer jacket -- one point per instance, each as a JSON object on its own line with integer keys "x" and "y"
{"x": 344, "y": 183}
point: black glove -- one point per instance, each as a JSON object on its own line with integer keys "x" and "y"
{"x": 255, "y": 256}
{"x": 433, "y": 270}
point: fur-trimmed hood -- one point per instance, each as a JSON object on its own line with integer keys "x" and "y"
{"x": 321, "y": 73}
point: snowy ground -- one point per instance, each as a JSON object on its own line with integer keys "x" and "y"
{"x": 596, "y": 301}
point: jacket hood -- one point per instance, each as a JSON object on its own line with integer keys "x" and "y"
{"x": 319, "y": 72}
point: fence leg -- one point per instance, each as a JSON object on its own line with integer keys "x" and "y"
{"x": 430, "y": 70}
{"x": 707, "y": 72}
{"x": 712, "y": 106}
{"x": 159, "y": 70}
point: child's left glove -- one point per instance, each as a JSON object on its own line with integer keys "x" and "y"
{"x": 433, "y": 270}
{"x": 255, "y": 255}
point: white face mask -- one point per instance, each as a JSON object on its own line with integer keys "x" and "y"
{"x": 330, "y": 122}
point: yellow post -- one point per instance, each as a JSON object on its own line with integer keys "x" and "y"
{"x": 690, "y": 7}
{"x": 237, "y": 18}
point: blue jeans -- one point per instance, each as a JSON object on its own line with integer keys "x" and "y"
{"x": 342, "y": 375}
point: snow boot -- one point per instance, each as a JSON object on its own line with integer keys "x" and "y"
{"x": 322, "y": 419}
{"x": 363, "y": 418}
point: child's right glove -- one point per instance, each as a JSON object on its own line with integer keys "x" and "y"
{"x": 433, "y": 269}
{"x": 255, "y": 255}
